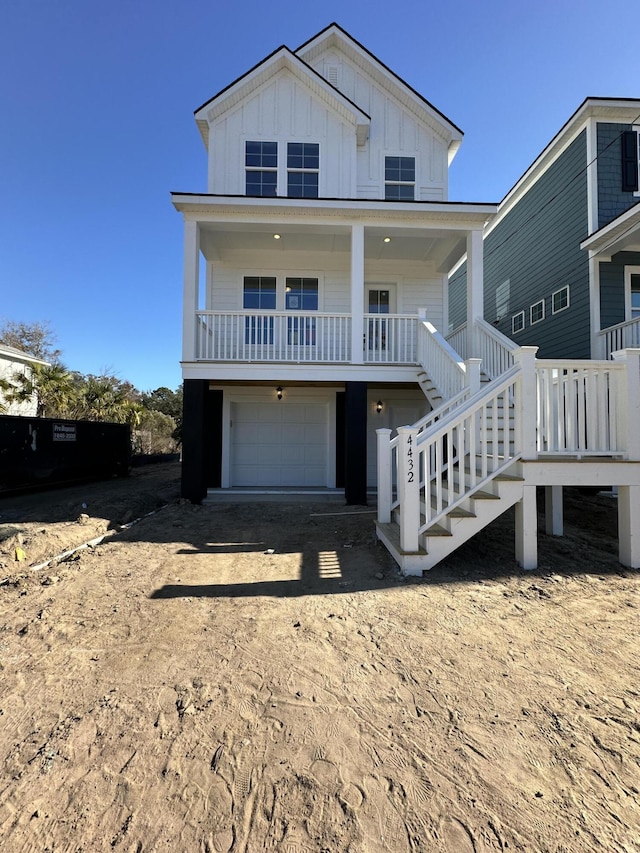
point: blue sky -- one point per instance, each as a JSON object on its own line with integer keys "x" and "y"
{"x": 96, "y": 109}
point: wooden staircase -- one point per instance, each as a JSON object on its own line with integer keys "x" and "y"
{"x": 459, "y": 524}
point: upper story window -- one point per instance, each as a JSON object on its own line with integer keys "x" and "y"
{"x": 560, "y": 300}
{"x": 259, "y": 292}
{"x": 261, "y": 161}
{"x": 632, "y": 292}
{"x": 303, "y": 165}
{"x": 302, "y": 294}
{"x": 399, "y": 178}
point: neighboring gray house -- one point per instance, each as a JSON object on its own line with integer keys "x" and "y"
{"x": 562, "y": 257}
{"x": 13, "y": 361}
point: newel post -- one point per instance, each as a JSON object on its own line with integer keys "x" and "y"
{"x": 384, "y": 475}
{"x": 527, "y": 402}
{"x": 473, "y": 374}
{"x": 408, "y": 488}
{"x": 628, "y": 407}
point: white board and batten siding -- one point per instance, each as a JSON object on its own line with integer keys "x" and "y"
{"x": 282, "y": 110}
{"x": 395, "y": 131}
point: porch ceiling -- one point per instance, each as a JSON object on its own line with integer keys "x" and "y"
{"x": 221, "y": 241}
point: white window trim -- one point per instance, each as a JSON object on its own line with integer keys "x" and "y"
{"x": 383, "y": 167}
{"x": 553, "y": 295}
{"x": 515, "y": 331}
{"x": 532, "y": 322}
{"x": 506, "y": 288}
{"x": 282, "y": 170}
{"x": 628, "y": 272}
{"x": 281, "y": 285}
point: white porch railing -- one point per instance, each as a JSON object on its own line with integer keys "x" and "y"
{"x": 303, "y": 337}
{"x": 390, "y": 338}
{"x": 438, "y": 358}
{"x": 457, "y": 340}
{"x": 623, "y": 336}
{"x": 274, "y": 336}
{"x": 576, "y": 407}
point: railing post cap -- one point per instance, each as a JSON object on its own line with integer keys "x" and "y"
{"x": 621, "y": 354}
{"x": 525, "y": 350}
{"x": 407, "y": 428}
{"x": 383, "y": 431}
{"x": 473, "y": 361}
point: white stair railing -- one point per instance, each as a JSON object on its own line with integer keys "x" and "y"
{"x": 444, "y": 366}
{"x": 622, "y": 336}
{"x": 495, "y": 349}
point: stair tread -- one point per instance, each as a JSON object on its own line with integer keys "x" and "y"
{"x": 437, "y": 530}
{"x": 392, "y": 532}
{"x": 461, "y": 512}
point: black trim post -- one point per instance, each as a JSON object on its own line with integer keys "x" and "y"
{"x": 355, "y": 491}
{"x": 195, "y": 428}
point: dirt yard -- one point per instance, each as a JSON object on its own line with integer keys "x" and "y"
{"x": 259, "y": 677}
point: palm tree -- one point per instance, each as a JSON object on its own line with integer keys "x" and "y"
{"x": 52, "y": 384}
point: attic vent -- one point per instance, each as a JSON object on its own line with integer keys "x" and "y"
{"x": 332, "y": 75}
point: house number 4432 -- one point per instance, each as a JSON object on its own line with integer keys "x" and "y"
{"x": 410, "y": 459}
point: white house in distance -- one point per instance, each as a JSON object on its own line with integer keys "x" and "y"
{"x": 14, "y": 361}
{"x": 315, "y": 285}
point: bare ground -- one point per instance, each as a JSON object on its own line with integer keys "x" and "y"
{"x": 258, "y": 677}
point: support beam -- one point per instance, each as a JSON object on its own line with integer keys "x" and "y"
{"x": 357, "y": 294}
{"x": 191, "y": 285}
{"x": 527, "y": 529}
{"x": 475, "y": 287}
{"x": 628, "y": 528}
{"x": 355, "y": 490}
{"x": 553, "y": 511}
{"x": 201, "y": 439}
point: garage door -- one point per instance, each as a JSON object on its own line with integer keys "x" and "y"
{"x": 279, "y": 443}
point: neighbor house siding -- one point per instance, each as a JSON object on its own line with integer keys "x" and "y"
{"x": 458, "y": 297}
{"x": 537, "y": 247}
{"x": 612, "y": 296}
{"x": 612, "y": 201}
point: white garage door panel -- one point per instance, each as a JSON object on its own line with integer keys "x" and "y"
{"x": 279, "y": 444}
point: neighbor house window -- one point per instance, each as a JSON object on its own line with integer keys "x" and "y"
{"x": 301, "y": 295}
{"x": 259, "y": 295}
{"x": 303, "y": 165}
{"x": 560, "y": 300}
{"x": 399, "y": 178}
{"x": 502, "y": 299}
{"x": 261, "y": 162}
{"x": 632, "y": 292}
{"x": 536, "y": 312}
{"x": 517, "y": 322}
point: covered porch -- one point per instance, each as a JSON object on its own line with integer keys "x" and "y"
{"x": 332, "y": 283}
{"x": 614, "y": 266}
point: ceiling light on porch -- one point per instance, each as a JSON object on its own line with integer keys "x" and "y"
{"x": 386, "y": 240}
{"x": 276, "y": 236}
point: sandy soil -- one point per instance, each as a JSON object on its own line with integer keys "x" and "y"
{"x": 259, "y": 677}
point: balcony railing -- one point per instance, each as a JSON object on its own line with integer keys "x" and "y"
{"x": 623, "y": 336}
{"x": 312, "y": 337}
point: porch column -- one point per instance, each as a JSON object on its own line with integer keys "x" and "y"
{"x": 553, "y": 511}
{"x": 628, "y": 409}
{"x": 198, "y": 439}
{"x": 475, "y": 286}
{"x": 628, "y": 531}
{"x": 527, "y": 529}
{"x": 355, "y": 479}
{"x": 191, "y": 286}
{"x": 357, "y": 294}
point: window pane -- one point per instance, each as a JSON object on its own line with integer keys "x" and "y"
{"x": 398, "y": 192}
{"x": 261, "y": 183}
{"x": 259, "y": 292}
{"x": 302, "y": 294}
{"x": 303, "y": 185}
{"x": 407, "y": 169}
{"x": 261, "y": 154}
{"x": 303, "y": 155}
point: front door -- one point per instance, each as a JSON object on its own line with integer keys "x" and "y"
{"x": 380, "y": 300}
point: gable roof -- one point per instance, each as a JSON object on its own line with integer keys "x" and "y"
{"x": 296, "y": 62}
{"x": 281, "y": 58}
{"x": 334, "y": 35}
{"x": 8, "y": 353}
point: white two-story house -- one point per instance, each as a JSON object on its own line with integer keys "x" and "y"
{"x": 324, "y": 232}
{"x": 315, "y": 294}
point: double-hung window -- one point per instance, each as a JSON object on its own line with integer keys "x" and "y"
{"x": 303, "y": 166}
{"x": 261, "y": 163}
{"x": 399, "y": 178}
{"x": 259, "y": 295}
{"x": 632, "y": 288}
{"x": 301, "y": 295}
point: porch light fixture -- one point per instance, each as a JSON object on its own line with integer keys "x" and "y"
{"x": 379, "y": 406}
{"x": 276, "y": 236}
{"x": 279, "y": 392}
{"x": 387, "y": 240}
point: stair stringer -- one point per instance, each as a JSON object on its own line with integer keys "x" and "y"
{"x": 460, "y": 525}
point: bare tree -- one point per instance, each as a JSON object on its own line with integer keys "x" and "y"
{"x": 37, "y": 339}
